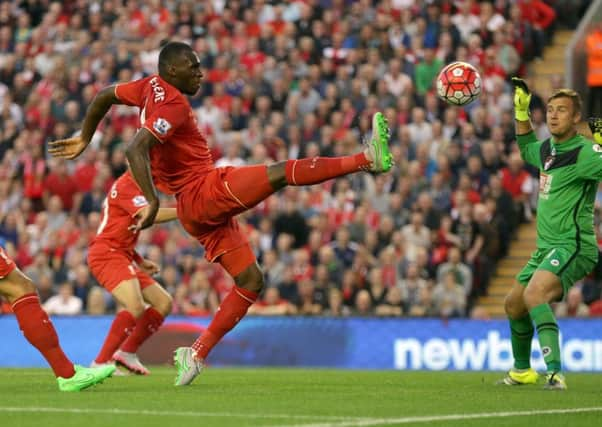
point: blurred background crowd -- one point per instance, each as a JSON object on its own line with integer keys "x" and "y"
{"x": 286, "y": 79}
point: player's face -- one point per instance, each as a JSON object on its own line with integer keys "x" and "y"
{"x": 189, "y": 74}
{"x": 560, "y": 116}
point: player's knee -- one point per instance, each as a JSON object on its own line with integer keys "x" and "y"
{"x": 136, "y": 309}
{"x": 255, "y": 283}
{"x": 260, "y": 282}
{"x": 513, "y": 307}
{"x": 251, "y": 279}
{"x": 164, "y": 305}
{"x": 27, "y": 286}
{"x": 533, "y": 296}
{"x": 277, "y": 175}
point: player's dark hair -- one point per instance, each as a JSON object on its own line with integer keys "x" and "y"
{"x": 572, "y": 95}
{"x": 170, "y": 52}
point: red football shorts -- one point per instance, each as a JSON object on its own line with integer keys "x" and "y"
{"x": 206, "y": 209}
{"x": 111, "y": 267}
{"x": 7, "y": 265}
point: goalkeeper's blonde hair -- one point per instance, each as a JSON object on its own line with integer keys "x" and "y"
{"x": 572, "y": 95}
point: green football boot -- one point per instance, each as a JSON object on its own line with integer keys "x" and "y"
{"x": 85, "y": 377}
{"x": 187, "y": 365}
{"x": 378, "y": 147}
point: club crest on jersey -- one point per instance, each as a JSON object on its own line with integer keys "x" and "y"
{"x": 162, "y": 126}
{"x": 139, "y": 201}
{"x": 597, "y": 148}
{"x": 548, "y": 162}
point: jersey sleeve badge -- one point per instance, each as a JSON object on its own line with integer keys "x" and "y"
{"x": 139, "y": 201}
{"x": 161, "y": 126}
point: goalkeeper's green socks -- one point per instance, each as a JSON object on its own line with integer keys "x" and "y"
{"x": 521, "y": 336}
{"x": 547, "y": 331}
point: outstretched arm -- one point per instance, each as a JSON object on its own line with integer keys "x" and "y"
{"x": 138, "y": 156}
{"x": 97, "y": 110}
{"x": 72, "y": 147}
{"x": 525, "y": 137}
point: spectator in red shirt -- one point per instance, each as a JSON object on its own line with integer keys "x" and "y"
{"x": 86, "y": 171}
{"x": 252, "y": 27}
{"x": 62, "y": 184}
{"x": 540, "y": 16}
{"x": 519, "y": 184}
{"x": 272, "y": 304}
{"x": 33, "y": 168}
{"x": 253, "y": 56}
{"x": 220, "y": 72}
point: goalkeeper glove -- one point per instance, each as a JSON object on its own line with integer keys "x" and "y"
{"x": 595, "y": 125}
{"x": 522, "y": 98}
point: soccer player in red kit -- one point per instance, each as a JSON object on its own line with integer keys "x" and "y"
{"x": 123, "y": 272}
{"x": 170, "y": 152}
{"x": 39, "y": 331}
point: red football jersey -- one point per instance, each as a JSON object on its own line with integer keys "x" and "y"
{"x": 124, "y": 201}
{"x": 183, "y": 155}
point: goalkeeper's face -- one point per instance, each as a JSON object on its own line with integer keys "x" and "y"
{"x": 561, "y": 117}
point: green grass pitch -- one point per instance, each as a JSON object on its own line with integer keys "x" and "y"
{"x": 298, "y": 398}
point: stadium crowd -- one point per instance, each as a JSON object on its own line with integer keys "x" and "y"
{"x": 282, "y": 80}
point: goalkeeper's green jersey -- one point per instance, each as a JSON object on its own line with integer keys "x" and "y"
{"x": 568, "y": 182}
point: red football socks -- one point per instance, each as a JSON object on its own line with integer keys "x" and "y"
{"x": 249, "y": 185}
{"x": 320, "y": 169}
{"x": 232, "y": 309}
{"x": 146, "y": 325}
{"x": 39, "y": 331}
{"x": 121, "y": 328}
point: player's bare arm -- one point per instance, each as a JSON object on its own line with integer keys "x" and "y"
{"x": 138, "y": 156}
{"x": 522, "y": 99}
{"x": 166, "y": 215}
{"x": 70, "y": 148}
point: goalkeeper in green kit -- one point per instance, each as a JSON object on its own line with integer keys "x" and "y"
{"x": 570, "y": 168}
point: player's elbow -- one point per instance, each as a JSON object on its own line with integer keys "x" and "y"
{"x": 106, "y": 97}
{"x": 134, "y": 151}
{"x": 131, "y": 150}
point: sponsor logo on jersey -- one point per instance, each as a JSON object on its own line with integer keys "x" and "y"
{"x": 555, "y": 262}
{"x": 139, "y": 201}
{"x": 162, "y": 126}
{"x": 545, "y": 185}
{"x": 157, "y": 89}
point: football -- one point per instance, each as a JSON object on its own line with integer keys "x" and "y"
{"x": 458, "y": 83}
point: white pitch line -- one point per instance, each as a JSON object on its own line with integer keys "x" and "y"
{"x": 175, "y": 413}
{"x": 453, "y": 417}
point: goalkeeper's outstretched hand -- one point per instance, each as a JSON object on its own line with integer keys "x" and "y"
{"x": 595, "y": 125}
{"x": 522, "y": 99}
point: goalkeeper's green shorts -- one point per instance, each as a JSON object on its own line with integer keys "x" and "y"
{"x": 566, "y": 263}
